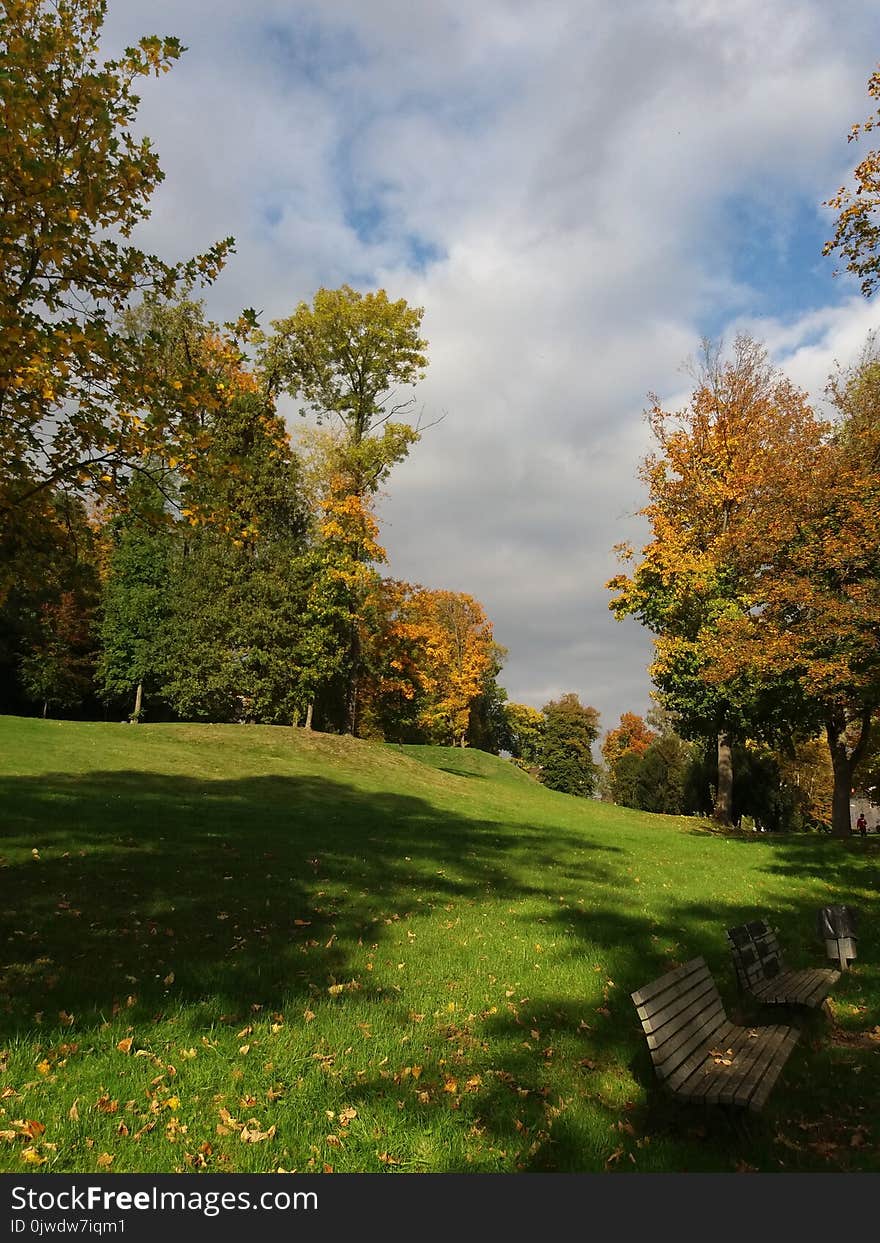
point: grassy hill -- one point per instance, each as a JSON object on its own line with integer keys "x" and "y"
{"x": 252, "y": 948}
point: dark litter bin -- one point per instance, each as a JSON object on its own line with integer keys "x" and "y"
{"x": 837, "y": 928}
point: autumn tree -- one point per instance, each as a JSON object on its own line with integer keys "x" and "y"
{"x": 567, "y": 762}
{"x": 631, "y": 735}
{"x": 857, "y": 229}
{"x": 76, "y": 182}
{"x": 344, "y": 358}
{"x": 814, "y": 598}
{"x": 430, "y": 661}
{"x": 717, "y": 485}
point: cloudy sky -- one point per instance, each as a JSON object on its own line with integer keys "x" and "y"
{"x": 576, "y": 191}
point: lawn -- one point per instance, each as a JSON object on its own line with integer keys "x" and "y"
{"x": 252, "y": 948}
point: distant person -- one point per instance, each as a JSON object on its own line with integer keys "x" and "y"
{"x": 862, "y": 825}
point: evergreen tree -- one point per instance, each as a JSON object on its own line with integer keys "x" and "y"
{"x": 566, "y": 757}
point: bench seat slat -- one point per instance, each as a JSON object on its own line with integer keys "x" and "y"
{"x": 714, "y": 1075}
{"x": 773, "y": 1069}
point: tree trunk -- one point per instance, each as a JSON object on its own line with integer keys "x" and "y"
{"x": 723, "y": 811}
{"x": 843, "y": 764}
{"x": 351, "y": 690}
{"x": 45, "y": 708}
{"x": 309, "y": 711}
{"x": 138, "y": 700}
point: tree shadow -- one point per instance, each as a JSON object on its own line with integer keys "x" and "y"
{"x": 254, "y": 887}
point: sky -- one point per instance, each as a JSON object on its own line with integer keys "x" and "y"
{"x": 576, "y": 192}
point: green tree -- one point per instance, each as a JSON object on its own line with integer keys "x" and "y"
{"x": 566, "y": 756}
{"x": 76, "y": 181}
{"x": 136, "y": 603}
{"x": 525, "y": 732}
{"x": 660, "y": 780}
{"x": 623, "y": 779}
{"x": 344, "y": 358}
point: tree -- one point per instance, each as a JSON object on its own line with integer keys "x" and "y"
{"x": 75, "y": 184}
{"x": 344, "y": 358}
{"x": 566, "y": 757}
{"x": 660, "y": 778}
{"x": 431, "y": 661}
{"x": 525, "y": 731}
{"x": 857, "y": 230}
{"x": 718, "y": 488}
{"x": 631, "y": 735}
{"x": 58, "y": 668}
{"x": 136, "y": 604}
{"x": 623, "y": 779}
{"x": 814, "y": 609}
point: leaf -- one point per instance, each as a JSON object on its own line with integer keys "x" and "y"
{"x": 105, "y": 1160}
{"x": 387, "y": 1159}
{"x": 43, "y": 1067}
{"x": 73, "y": 1113}
{"x": 31, "y": 1157}
{"x": 335, "y": 989}
{"x": 124, "y": 1046}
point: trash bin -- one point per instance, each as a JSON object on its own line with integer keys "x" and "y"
{"x": 837, "y": 928}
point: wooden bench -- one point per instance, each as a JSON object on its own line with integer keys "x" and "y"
{"x": 760, "y": 969}
{"x": 697, "y": 1052}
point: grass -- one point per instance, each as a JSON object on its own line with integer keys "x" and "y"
{"x": 249, "y": 949}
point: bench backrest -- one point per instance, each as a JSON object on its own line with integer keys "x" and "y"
{"x": 757, "y": 955}
{"x": 680, "y": 1013}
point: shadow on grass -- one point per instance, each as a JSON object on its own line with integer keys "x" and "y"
{"x": 243, "y": 889}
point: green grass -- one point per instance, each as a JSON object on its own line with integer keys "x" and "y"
{"x": 385, "y": 959}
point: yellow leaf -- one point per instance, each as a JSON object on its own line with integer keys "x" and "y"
{"x": 105, "y": 1161}
{"x": 124, "y": 1046}
{"x": 173, "y": 1102}
{"x": 31, "y": 1157}
{"x": 73, "y": 1113}
{"x": 43, "y": 1067}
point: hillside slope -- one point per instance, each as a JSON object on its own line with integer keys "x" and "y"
{"x": 298, "y": 924}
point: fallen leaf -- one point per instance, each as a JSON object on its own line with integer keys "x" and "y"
{"x": 105, "y": 1161}
{"x": 124, "y": 1046}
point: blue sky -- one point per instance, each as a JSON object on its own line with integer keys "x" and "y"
{"x": 576, "y": 192}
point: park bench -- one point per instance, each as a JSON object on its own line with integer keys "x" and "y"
{"x": 697, "y": 1052}
{"x": 760, "y": 969}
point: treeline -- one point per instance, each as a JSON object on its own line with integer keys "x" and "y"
{"x": 773, "y": 789}
{"x": 243, "y": 584}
